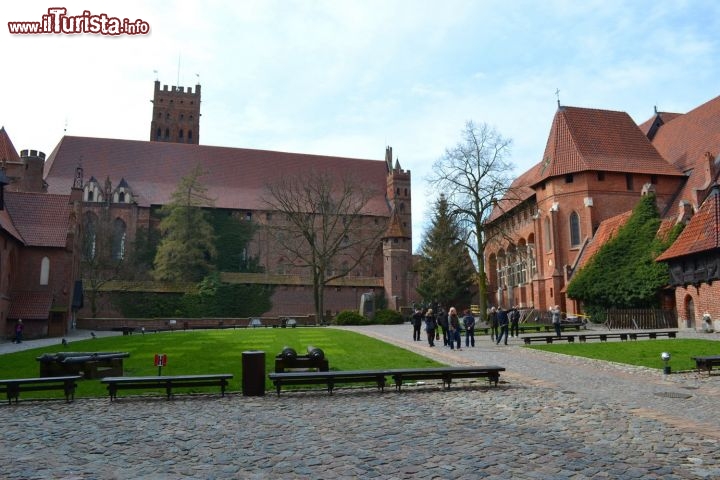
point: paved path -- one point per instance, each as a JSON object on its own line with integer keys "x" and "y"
{"x": 552, "y": 417}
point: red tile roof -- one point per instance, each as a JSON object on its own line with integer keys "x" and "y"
{"x": 649, "y": 127}
{"x": 607, "y": 230}
{"x": 584, "y": 139}
{"x": 41, "y": 219}
{"x": 518, "y": 192}
{"x": 235, "y": 177}
{"x": 395, "y": 228}
{"x": 702, "y": 233}
{"x": 685, "y": 139}
{"x": 7, "y": 225}
{"x": 7, "y": 150}
{"x": 30, "y": 305}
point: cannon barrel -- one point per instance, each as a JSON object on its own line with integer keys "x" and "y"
{"x": 288, "y": 353}
{"x": 315, "y": 353}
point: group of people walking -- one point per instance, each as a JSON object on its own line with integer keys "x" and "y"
{"x": 446, "y": 325}
{"x": 503, "y": 323}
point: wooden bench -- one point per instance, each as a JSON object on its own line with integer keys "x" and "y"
{"x": 548, "y": 338}
{"x": 636, "y": 335}
{"x": 707, "y": 363}
{"x": 329, "y": 378}
{"x": 603, "y": 337}
{"x": 13, "y": 386}
{"x": 446, "y": 374}
{"x": 167, "y": 382}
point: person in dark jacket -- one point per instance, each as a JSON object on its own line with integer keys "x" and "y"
{"x": 515, "y": 321}
{"x": 442, "y": 321}
{"x": 417, "y": 320}
{"x": 469, "y": 323}
{"x": 502, "y": 319}
{"x": 430, "y": 327}
{"x": 493, "y": 318}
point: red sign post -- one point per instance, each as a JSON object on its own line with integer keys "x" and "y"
{"x": 160, "y": 361}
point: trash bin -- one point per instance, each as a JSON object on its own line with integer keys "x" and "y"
{"x": 253, "y": 373}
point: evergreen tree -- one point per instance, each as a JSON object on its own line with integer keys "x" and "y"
{"x": 446, "y": 271}
{"x": 186, "y": 248}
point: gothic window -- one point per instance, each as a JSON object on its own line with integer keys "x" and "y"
{"x": 44, "y": 271}
{"x": 406, "y": 192}
{"x": 189, "y": 135}
{"x": 547, "y": 235}
{"x": 574, "y": 229}
{"x": 402, "y": 207}
{"x": 89, "y": 235}
{"x": 158, "y": 135}
{"x": 118, "y": 239}
{"x": 90, "y": 195}
{"x": 167, "y": 133}
{"x": 629, "y": 181}
{"x": 121, "y": 197}
{"x": 180, "y": 134}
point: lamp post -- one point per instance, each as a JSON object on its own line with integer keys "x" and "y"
{"x": 665, "y": 356}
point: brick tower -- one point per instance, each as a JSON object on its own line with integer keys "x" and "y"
{"x": 397, "y": 241}
{"x": 176, "y": 115}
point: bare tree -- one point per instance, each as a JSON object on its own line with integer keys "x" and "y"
{"x": 474, "y": 175}
{"x": 105, "y": 253}
{"x": 323, "y": 226}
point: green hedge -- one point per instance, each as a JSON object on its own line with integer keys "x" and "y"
{"x": 388, "y": 317}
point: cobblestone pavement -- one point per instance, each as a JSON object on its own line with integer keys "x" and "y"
{"x": 552, "y": 417}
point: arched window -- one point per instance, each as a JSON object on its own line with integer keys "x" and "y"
{"x": 180, "y": 134}
{"x": 121, "y": 197}
{"x": 689, "y": 312}
{"x": 189, "y": 135}
{"x": 574, "y": 229}
{"x": 158, "y": 135}
{"x": 167, "y": 133}
{"x": 547, "y": 234}
{"x": 89, "y": 235}
{"x": 118, "y": 241}
{"x": 44, "y": 271}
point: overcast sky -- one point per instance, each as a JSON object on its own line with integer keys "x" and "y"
{"x": 348, "y": 78}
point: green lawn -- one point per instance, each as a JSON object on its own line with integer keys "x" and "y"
{"x": 217, "y": 351}
{"x": 642, "y": 352}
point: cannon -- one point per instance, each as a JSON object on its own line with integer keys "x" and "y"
{"x": 288, "y": 359}
{"x": 88, "y": 364}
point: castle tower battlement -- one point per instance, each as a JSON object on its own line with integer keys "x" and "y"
{"x": 176, "y": 114}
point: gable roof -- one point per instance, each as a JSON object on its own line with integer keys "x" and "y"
{"x": 650, "y": 126}
{"x": 583, "y": 139}
{"x": 7, "y": 150}
{"x": 41, "y": 219}
{"x": 235, "y": 178}
{"x": 702, "y": 233}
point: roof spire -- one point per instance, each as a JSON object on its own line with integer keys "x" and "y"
{"x": 557, "y": 94}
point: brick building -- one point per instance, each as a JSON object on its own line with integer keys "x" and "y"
{"x": 595, "y": 166}
{"x": 38, "y": 247}
{"x": 134, "y": 178}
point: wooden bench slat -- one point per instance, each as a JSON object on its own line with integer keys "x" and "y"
{"x": 13, "y": 386}
{"x": 167, "y": 382}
